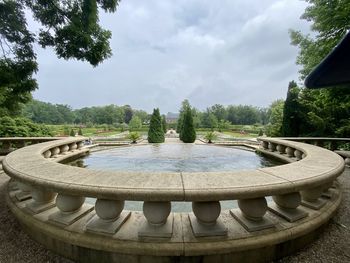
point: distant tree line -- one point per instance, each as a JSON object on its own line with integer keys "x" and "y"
{"x": 43, "y": 112}
{"x": 214, "y": 117}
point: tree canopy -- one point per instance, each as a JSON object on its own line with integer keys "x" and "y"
{"x": 155, "y": 132}
{"x": 324, "y": 112}
{"x": 70, "y": 27}
{"x": 291, "y": 111}
{"x": 188, "y": 132}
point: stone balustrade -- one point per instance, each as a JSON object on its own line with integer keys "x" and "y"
{"x": 8, "y": 144}
{"x": 326, "y": 142}
{"x": 301, "y": 190}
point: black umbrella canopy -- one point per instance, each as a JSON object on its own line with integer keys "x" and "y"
{"x": 334, "y": 69}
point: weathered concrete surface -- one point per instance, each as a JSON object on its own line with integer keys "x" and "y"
{"x": 332, "y": 246}
{"x": 334, "y": 242}
{"x": 17, "y": 246}
{"x": 320, "y": 166}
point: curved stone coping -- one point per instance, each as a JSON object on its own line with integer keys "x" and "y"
{"x": 262, "y": 246}
{"x": 28, "y": 165}
{"x": 300, "y": 139}
{"x": 39, "y": 139}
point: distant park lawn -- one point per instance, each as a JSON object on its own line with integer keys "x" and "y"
{"x": 59, "y": 130}
{"x": 236, "y": 131}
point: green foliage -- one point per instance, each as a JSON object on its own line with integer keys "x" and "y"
{"x": 80, "y": 132}
{"x": 244, "y": 114}
{"x": 210, "y": 136}
{"x": 209, "y": 120}
{"x": 72, "y": 133}
{"x": 43, "y": 112}
{"x": 219, "y": 111}
{"x": 17, "y": 61}
{"x": 21, "y": 127}
{"x": 276, "y": 118}
{"x": 330, "y": 22}
{"x": 155, "y": 132}
{"x": 323, "y": 112}
{"x": 223, "y": 125}
{"x": 188, "y": 132}
{"x": 261, "y": 133}
{"x": 291, "y": 112}
{"x": 128, "y": 113}
{"x": 184, "y": 105}
{"x": 135, "y": 123}
{"x": 70, "y": 27}
{"x": 134, "y": 136}
{"x": 164, "y": 124}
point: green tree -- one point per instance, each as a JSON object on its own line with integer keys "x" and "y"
{"x": 164, "y": 124}
{"x": 324, "y": 112}
{"x": 188, "y": 132}
{"x": 219, "y": 111}
{"x": 80, "y": 131}
{"x": 209, "y": 120}
{"x": 72, "y": 133}
{"x": 184, "y": 105}
{"x": 71, "y": 27}
{"x": 275, "y": 118}
{"x": 143, "y": 115}
{"x": 291, "y": 120}
{"x": 21, "y": 127}
{"x": 135, "y": 123}
{"x": 155, "y": 132}
{"x": 128, "y": 113}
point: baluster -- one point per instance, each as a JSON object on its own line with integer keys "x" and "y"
{"x": 70, "y": 209}
{"x": 288, "y": 206}
{"x": 42, "y": 200}
{"x": 109, "y": 217}
{"x": 158, "y": 223}
{"x": 252, "y": 214}
{"x": 205, "y": 219}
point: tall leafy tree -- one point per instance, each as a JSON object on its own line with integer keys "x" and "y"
{"x": 188, "y": 132}
{"x": 291, "y": 120}
{"x": 71, "y": 27}
{"x": 128, "y": 113}
{"x": 155, "y": 132}
{"x": 219, "y": 111}
{"x": 325, "y": 112}
{"x": 135, "y": 123}
{"x": 275, "y": 112}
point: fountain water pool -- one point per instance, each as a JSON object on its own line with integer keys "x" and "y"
{"x": 174, "y": 158}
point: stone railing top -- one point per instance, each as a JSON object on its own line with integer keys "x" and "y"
{"x": 28, "y": 165}
{"x": 41, "y": 139}
{"x": 315, "y": 139}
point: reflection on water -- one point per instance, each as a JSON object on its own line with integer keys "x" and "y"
{"x": 174, "y": 158}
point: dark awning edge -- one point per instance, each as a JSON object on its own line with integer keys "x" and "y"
{"x": 334, "y": 69}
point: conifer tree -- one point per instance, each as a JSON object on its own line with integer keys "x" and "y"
{"x": 291, "y": 120}
{"x": 188, "y": 133}
{"x": 155, "y": 132}
{"x": 164, "y": 125}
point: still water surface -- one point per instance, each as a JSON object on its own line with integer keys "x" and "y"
{"x": 174, "y": 158}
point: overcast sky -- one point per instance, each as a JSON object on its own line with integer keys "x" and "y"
{"x": 165, "y": 51}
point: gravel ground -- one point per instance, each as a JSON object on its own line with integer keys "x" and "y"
{"x": 333, "y": 245}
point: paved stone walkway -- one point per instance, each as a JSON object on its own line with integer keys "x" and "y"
{"x": 333, "y": 246}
